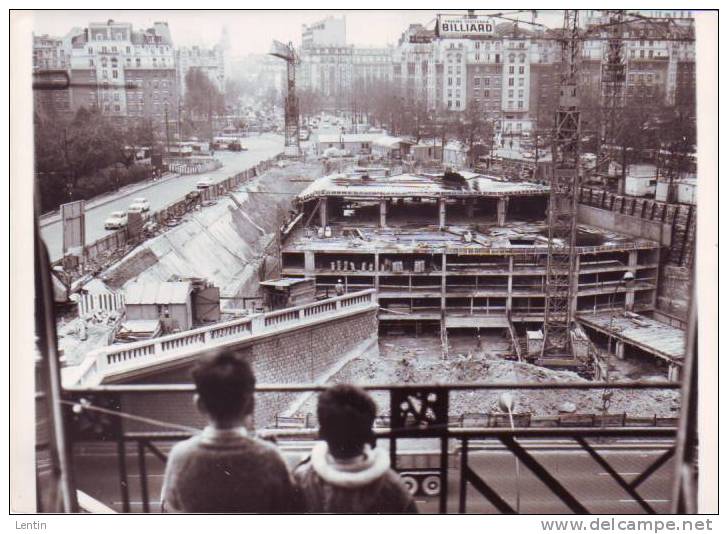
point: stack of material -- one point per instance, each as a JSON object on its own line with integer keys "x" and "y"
{"x": 397, "y": 266}
{"x": 419, "y": 266}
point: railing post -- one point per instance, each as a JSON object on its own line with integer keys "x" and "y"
{"x": 463, "y": 497}
{"x": 123, "y": 479}
{"x": 257, "y": 324}
{"x": 143, "y": 476}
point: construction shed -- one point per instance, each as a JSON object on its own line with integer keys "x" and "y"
{"x": 389, "y": 147}
{"x": 288, "y": 292}
{"x": 169, "y": 302}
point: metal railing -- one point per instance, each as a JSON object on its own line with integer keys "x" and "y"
{"x": 418, "y": 412}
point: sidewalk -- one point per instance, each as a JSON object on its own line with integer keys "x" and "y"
{"x": 55, "y": 216}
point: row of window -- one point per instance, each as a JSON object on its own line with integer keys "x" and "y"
{"x": 487, "y": 93}
{"x": 114, "y": 50}
{"x": 486, "y": 81}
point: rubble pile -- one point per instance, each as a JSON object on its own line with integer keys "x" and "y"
{"x": 400, "y": 361}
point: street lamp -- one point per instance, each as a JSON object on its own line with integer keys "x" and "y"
{"x": 506, "y": 403}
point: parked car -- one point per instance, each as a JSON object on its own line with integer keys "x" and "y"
{"x": 204, "y": 183}
{"x": 139, "y": 204}
{"x": 117, "y": 219}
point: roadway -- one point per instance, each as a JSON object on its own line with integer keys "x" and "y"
{"x": 161, "y": 192}
{"x": 96, "y": 473}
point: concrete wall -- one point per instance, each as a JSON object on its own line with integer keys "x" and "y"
{"x": 625, "y": 224}
{"x": 304, "y": 355}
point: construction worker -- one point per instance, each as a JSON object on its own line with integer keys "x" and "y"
{"x": 339, "y": 288}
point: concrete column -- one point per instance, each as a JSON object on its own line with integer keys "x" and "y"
{"x": 673, "y": 372}
{"x": 619, "y": 350}
{"x": 509, "y": 298}
{"x": 501, "y": 210}
{"x": 442, "y": 204}
{"x": 575, "y": 287}
{"x": 443, "y": 284}
{"x": 470, "y": 207}
{"x": 376, "y": 271}
{"x": 323, "y": 212}
{"x": 309, "y": 263}
{"x": 629, "y": 294}
{"x": 383, "y": 213}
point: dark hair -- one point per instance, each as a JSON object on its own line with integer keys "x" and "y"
{"x": 346, "y": 414}
{"x": 225, "y": 383}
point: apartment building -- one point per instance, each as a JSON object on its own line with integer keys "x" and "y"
{"x": 211, "y": 61}
{"x": 126, "y": 73}
{"x": 330, "y": 31}
{"x": 52, "y": 54}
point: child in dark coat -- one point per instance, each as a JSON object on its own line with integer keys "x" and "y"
{"x": 345, "y": 474}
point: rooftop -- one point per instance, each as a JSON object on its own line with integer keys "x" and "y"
{"x": 157, "y": 293}
{"x": 649, "y": 335}
{"x": 420, "y": 185}
{"x": 512, "y": 237}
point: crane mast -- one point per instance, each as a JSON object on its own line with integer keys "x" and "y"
{"x": 561, "y": 257}
{"x": 613, "y": 78}
{"x": 292, "y": 144}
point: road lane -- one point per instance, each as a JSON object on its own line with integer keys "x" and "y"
{"x": 96, "y": 473}
{"x": 168, "y": 191}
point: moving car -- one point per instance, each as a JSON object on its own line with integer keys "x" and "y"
{"x": 139, "y": 204}
{"x": 204, "y": 183}
{"x": 117, "y": 219}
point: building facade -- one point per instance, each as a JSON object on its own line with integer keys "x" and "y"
{"x": 126, "y": 73}
{"x": 330, "y": 31}
{"x": 211, "y": 61}
{"x": 52, "y": 54}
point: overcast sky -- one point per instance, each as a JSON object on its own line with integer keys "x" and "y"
{"x": 252, "y": 31}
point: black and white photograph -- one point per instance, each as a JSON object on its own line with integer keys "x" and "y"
{"x": 364, "y": 261}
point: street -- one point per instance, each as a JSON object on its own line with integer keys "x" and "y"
{"x": 162, "y": 193}
{"x": 97, "y": 474}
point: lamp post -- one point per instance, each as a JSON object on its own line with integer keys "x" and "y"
{"x": 506, "y": 403}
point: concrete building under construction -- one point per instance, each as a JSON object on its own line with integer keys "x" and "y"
{"x": 458, "y": 251}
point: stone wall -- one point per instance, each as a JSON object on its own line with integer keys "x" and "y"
{"x": 303, "y": 355}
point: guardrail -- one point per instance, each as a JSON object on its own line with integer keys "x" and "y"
{"x": 107, "y": 358}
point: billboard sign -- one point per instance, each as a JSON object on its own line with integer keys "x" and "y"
{"x": 449, "y": 26}
{"x": 73, "y": 217}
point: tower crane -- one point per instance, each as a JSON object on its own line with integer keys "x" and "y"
{"x": 292, "y": 144}
{"x": 561, "y": 268}
{"x": 561, "y": 257}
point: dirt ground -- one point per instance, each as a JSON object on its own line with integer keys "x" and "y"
{"x": 411, "y": 360}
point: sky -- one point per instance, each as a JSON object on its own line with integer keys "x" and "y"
{"x": 252, "y": 31}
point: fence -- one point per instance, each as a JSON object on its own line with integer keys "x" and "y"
{"x": 194, "y": 166}
{"x": 88, "y": 303}
{"x": 228, "y": 332}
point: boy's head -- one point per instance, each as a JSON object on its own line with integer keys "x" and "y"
{"x": 346, "y": 414}
{"x": 225, "y": 384}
